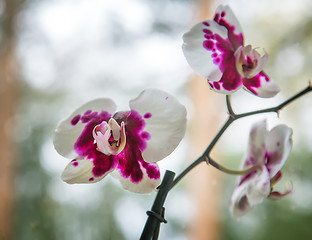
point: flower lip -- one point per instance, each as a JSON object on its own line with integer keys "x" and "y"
{"x": 110, "y": 137}
{"x": 250, "y": 62}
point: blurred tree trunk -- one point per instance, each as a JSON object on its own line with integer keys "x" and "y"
{"x": 8, "y": 88}
{"x": 204, "y": 183}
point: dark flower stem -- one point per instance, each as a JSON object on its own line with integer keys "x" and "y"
{"x": 232, "y": 117}
{"x": 155, "y": 216}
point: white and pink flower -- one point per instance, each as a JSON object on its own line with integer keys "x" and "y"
{"x": 215, "y": 50}
{"x": 268, "y": 150}
{"x": 127, "y": 143}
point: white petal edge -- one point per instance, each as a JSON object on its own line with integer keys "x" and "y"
{"x": 251, "y": 192}
{"x": 256, "y": 144}
{"x": 80, "y": 171}
{"x": 198, "y": 57}
{"x": 259, "y": 187}
{"x": 166, "y": 124}
{"x": 67, "y": 134}
{"x": 278, "y": 145}
{"x": 239, "y": 204}
{"x": 267, "y": 88}
{"x": 146, "y": 185}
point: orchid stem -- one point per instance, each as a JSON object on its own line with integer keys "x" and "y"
{"x": 229, "y": 106}
{"x": 202, "y": 158}
{"x": 230, "y": 171}
{"x": 151, "y": 228}
{"x": 277, "y": 108}
{"x": 232, "y": 117}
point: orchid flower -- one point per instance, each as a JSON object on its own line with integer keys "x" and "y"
{"x": 127, "y": 143}
{"x": 215, "y": 50}
{"x": 267, "y": 153}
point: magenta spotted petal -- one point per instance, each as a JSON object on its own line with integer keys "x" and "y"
{"x": 278, "y": 144}
{"x": 88, "y": 171}
{"x": 252, "y": 189}
{"x": 215, "y": 50}
{"x": 268, "y": 150}
{"x": 101, "y": 141}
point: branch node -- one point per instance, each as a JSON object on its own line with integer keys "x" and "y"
{"x": 278, "y": 113}
{"x": 206, "y": 159}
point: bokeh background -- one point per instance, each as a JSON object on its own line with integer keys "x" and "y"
{"x": 57, "y": 54}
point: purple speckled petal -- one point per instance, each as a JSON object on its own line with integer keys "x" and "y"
{"x": 199, "y": 48}
{"x": 133, "y": 172}
{"x": 239, "y": 204}
{"x": 165, "y": 123}
{"x": 209, "y": 49}
{"x": 278, "y": 146}
{"x": 84, "y": 170}
{"x": 261, "y": 86}
{"x": 79, "y": 123}
{"x": 225, "y": 17}
{"x": 256, "y": 145}
{"x": 231, "y": 81}
{"x": 250, "y": 192}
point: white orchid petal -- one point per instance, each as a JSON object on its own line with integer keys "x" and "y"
{"x": 250, "y": 192}
{"x": 259, "y": 187}
{"x": 145, "y": 184}
{"x": 80, "y": 171}
{"x": 69, "y": 130}
{"x": 199, "y": 51}
{"x": 261, "y": 85}
{"x": 278, "y": 144}
{"x": 256, "y": 145}
{"x": 165, "y": 122}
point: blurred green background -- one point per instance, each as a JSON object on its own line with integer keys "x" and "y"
{"x": 57, "y": 54}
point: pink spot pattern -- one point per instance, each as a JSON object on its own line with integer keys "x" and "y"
{"x": 129, "y": 162}
{"x": 147, "y": 115}
{"x": 222, "y": 52}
